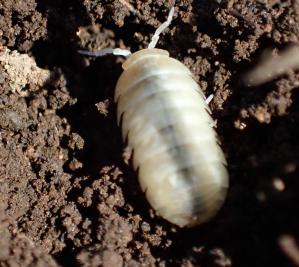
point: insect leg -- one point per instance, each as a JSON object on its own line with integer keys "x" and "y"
{"x": 209, "y": 99}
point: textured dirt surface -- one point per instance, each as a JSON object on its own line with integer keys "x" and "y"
{"x": 67, "y": 196}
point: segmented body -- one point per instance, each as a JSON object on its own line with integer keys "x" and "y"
{"x": 166, "y": 121}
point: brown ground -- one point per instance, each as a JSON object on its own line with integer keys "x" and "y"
{"x": 66, "y": 196}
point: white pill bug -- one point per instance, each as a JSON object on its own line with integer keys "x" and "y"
{"x": 165, "y": 119}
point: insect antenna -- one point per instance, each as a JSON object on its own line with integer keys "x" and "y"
{"x": 106, "y": 51}
{"x": 160, "y": 29}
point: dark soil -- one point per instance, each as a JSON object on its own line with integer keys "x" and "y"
{"x": 67, "y": 197}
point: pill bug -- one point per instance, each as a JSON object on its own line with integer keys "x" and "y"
{"x": 165, "y": 119}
